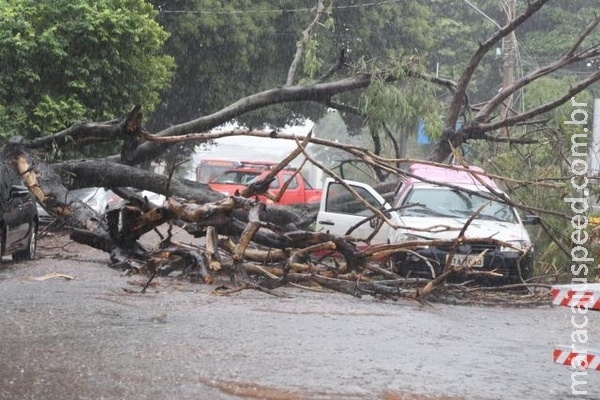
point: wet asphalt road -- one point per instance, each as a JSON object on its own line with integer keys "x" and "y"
{"x": 94, "y": 337}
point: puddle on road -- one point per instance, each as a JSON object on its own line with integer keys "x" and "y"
{"x": 250, "y": 390}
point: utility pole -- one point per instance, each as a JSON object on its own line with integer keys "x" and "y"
{"x": 508, "y": 61}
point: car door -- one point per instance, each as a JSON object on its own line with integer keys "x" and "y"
{"x": 340, "y": 210}
{"x": 14, "y": 199}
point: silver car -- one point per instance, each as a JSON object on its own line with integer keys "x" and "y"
{"x": 95, "y": 197}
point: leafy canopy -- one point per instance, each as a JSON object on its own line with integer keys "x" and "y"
{"x": 68, "y": 60}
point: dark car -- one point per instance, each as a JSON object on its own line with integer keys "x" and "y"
{"x": 18, "y": 216}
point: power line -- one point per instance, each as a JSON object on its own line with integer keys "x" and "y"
{"x": 306, "y": 9}
{"x": 474, "y": 7}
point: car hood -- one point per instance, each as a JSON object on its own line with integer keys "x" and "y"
{"x": 228, "y": 189}
{"x": 449, "y": 228}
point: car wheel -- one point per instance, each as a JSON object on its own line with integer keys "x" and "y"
{"x": 29, "y": 252}
{"x": 400, "y": 267}
{"x": 526, "y": 270}
{"x": 403, "y": 271}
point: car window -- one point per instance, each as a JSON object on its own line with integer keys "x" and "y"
{"x": 275, "y": 184}
{"x": 239, "y": 177}
{"x": 340, "y": 200}
{"x": 294, "y": 183}
{"x": 453, "y": 203}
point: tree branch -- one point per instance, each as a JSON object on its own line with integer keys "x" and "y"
{"x": 484, "y": 48}
{"x": 486, "y": 127}
{"x": 306, "y": 34}
{"x": 569, "y": 58}
{"x": 334, "y": 68}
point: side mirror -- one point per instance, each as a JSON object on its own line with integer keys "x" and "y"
{"x": 531, "y": 220}
{"x": 374, "y": 223}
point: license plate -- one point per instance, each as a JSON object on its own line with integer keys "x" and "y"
{"x": 460, "y": 260}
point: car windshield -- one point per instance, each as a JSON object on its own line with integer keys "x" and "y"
{"x": 453, "y": 203}
{"x": 238, "y": 177}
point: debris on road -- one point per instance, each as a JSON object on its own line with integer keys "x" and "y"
{"x": 53, "y": 276}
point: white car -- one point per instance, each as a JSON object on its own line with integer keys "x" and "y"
{"x": 435, "y": 203}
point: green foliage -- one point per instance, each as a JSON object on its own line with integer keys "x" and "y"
{"x": 53, "y": 114}
{"x": 458, "y": 29}
{"x": 384, "y": 103}
{"x": 546, "y": 89}
{"x": 400, "y": 106}
{"x": 536, "y": 163}
{"x": 65, "y": 61}
{"x": 312, "y": 63}
{"x": 566, "y": 19}
{"x": 228, "y": 49}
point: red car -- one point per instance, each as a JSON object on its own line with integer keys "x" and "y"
{"x": 236, "y": 179}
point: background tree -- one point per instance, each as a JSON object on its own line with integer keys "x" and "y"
{"x": 67, "y": 61}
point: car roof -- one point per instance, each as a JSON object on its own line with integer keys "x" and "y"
{"x": 454, "y": 175}
{"x": 258, "y": 166}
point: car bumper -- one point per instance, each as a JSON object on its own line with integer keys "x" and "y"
{"x": 45, "y": 218}
{"x": 430, "y": 262}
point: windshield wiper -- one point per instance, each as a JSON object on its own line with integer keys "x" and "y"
{"x": 466, "y": 199}
{"x": 491, "y": 217}
{"x": 467, "y": 213}
{"x": 422, "y": 210}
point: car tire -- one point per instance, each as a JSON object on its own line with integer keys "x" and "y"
{"x": 526, "y": 271}
{"x": 400, "y": 267}
{"x": 29, "y": 252}
{"x": 403, "y": 271}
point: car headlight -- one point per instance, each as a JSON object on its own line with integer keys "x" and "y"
{"x": 407, "y": 237}
{"x": 410, "y": 237}
{"x": 516, "y": 246}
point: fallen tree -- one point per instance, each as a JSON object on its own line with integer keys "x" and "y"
{"x": 242, "y": 236}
